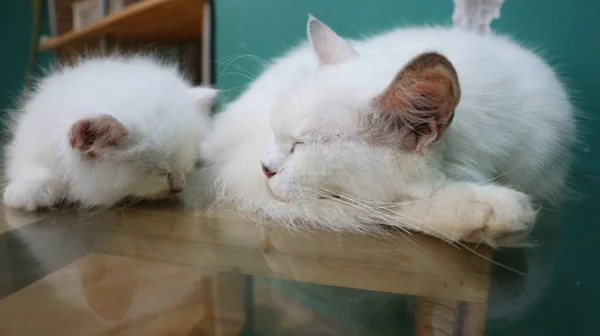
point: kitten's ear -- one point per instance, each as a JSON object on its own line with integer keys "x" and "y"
{"x": 330, "y": 48}
{"x": 93, "y": 135}
{"x": 204, "y": 96}
{"x": 421, "y": 100}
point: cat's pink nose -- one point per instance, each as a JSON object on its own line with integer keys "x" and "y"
{"x": 268, "y": 173}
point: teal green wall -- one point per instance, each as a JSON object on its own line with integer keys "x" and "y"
{"x": 267, "y": 28}
{"x": 559, "y": 295}
{"x": 15, "y": 27}
{"x": 14, "y": 39}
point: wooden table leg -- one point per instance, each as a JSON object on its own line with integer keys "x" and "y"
{"x": 442, "y": 317}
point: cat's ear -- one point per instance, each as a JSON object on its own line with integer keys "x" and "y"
{"x": 204, "y": 96}
{"x": 420, "y": 101}
{"x": 94, "y": 135}
{"x": 330, "y": 48}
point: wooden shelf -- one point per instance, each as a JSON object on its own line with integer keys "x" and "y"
{"x": 156, "y": 19}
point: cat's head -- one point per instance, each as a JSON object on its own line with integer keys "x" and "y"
{"x": 145, "y": 139}
{"x": 341, "y": 132}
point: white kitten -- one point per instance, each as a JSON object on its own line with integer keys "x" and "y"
{"x": 350, "y": 135}
{"x": 105, "y": 129}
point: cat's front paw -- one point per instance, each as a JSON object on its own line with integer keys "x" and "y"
{"x": 509, "y": 215}
{"x": 30, "y": 196}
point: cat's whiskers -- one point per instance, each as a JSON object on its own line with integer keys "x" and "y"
{"x": 493, "y": 179}
{"x": 385, "y": 219}
{"x": 452, "y": 242}
{"x": 379, "y": 212}
{"x": 488, "y": 259}
{"x": 434, "y": 232}
{"x": 245, "y": 73}
{"x": 257, "y": 59}
{"x": 364, "y": 204}
{"x": 428, "y": 228}
{"x": 229, "y": 63}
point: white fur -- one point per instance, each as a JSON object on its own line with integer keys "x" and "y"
{"x": 165, "y": 117}
{"x": 513, "y": 126}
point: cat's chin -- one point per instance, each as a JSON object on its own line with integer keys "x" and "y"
{"x": 277, "y": 195}
{"x": 274, "y": 195}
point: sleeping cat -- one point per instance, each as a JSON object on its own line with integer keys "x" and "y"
{"x": 105, "y": 129}
{"x": 442, "y": 131}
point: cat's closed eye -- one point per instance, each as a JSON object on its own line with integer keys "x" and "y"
{"x": 294, "y": 146}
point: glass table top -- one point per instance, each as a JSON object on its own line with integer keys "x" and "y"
{"x": 164, "y": 269}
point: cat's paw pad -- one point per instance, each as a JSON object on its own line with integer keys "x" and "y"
{"x": 29, "y": 196}
{"x": 510, "y": 216}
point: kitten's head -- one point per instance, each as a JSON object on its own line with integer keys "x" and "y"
{"x": 342, "y": 132}
{"x": 145, "y": 138}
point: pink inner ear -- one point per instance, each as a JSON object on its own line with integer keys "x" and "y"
{"x": 92, "y": 134}
{"x": 420, "y": 101}
{"x": 330, "y": 48}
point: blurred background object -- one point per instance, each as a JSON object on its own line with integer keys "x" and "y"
{"x": 176, "y": 29}
{"x": 476, "y": 15}
{"x": 42, "y": 33}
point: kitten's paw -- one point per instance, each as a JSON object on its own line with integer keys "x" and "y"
{"x": 30, "y": 196}
{"x": 507, "y": 215}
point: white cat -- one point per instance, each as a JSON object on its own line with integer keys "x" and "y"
{"x": 354, "y": 134}
{"x": 103, "y": 130}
